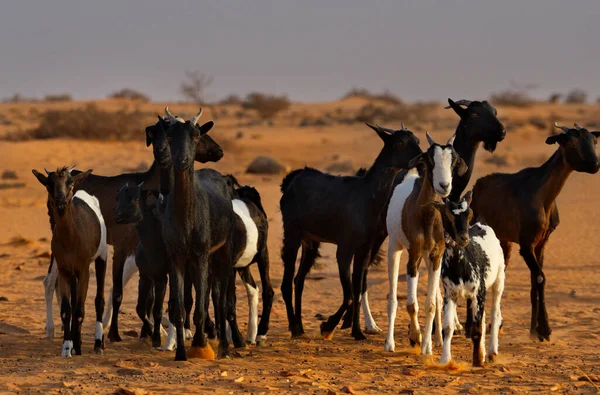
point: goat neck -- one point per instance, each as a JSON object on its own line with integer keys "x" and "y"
{"x": 380, "y": 177}
{"x": 554, "y": 174}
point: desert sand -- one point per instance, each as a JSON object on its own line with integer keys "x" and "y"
{"x": 569, "y": 363}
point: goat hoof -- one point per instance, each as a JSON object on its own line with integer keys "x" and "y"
{"x": 373, "y": 330}
{"x": 389, "y": 347}
{"x": 250, "y": 343}
{"x": 327, "y": 335}
{"x": 492, "y": 357}
{"x": 224, "y": 353}
{"x": 478, "y": 363}
{"x": 114, "y": 337}
{"x": 205, "y": 352}
{"x": 98, "y": 350}
{"x": 261, "y": 340}
{"x": 188, "y": 334}
{"x": 180, "y": 354}
{"x": 359, "y": 336}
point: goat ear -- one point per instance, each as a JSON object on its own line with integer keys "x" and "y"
{"x": 468, "y": 197}
{"x": 78, "y": 179}
{"x": 149, "y": 136}
{"x": 380, "y": 132}
{"x": 206, "y": 127}
{"x": 416, "y": 160}
{"x": 596, "y": 134}
{"x": 462, "y": 167}
{"x": 457, "y": 108}
{"x": 41, "y": 178}
{"x": 557, "y": 138}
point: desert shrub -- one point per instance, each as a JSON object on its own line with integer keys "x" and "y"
{"x": 130, "y": 94}
{"x": 386, "y": 97}
{"x": 232, "y": 99}
{"x": 576, "y": 96}
{"x": 510, "y": 97}
{"x": 267, "y": 106}
{"x": 194, "y": 86}
{"x": 554, "y": 98}
{"x": 370, "y": 113}
{"x": 58, "y": 97}
{"x": 90, "y": 123}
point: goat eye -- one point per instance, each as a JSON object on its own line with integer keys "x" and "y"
{"x": 474, "y": 115}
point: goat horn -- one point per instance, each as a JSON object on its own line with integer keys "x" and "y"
{"x": 451, "y": 140}
{"x": 563, "y": 128}
{"x": 141, "y": 185}
{"x": 577, "y": 126}
{"x": 429, "y": 139}
{"x": 47, "y": 172}
{"x": 461, "y": 102}
{"x": 70, "y": 169}
{"x": 403, "y": 127}
{"x": 196, "y": 117}
{"x": 390, "y": 131}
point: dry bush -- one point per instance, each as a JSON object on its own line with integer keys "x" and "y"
{"x": 576, "y": 96}
{"x": 513, "y": 98}
{"x": 232, "y": 99}
{"x": 130, "y": 94}
{"x": 386, "y": 97}
{"x": 554, "y": 98}
{"x": 407, "y": 113}
{"x": 195, "y": 85}
{"x": 267, "y": 106}
{"x": 89, "y": 123}
{"x": 58, "y": 97}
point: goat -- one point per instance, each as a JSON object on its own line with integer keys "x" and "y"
{"x": 473, "y": 264}
{"x": 150, "y": 255}
{"x": 78, "y": 238}
{"x": 198, "y": 222}
{"x": 478, "y": 124}
{"x": 318, "y": 207}
{"x": 252, "y": 248}
{"x": 122, "y": 238}
{"x": 417, "y": 226}
{"x": 521, "y": 208}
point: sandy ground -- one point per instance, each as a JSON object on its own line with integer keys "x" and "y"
{"x": 31, "y": 364}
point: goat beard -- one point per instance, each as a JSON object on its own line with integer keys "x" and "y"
{"x": 490, "y": 146}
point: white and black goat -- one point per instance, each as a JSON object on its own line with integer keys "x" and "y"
{"x": 473, "y": 264}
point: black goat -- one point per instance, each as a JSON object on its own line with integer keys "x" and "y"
{"x": 521, "y": 208}
{"x": 198, "y": 221}
{"x": 318, "y": 207}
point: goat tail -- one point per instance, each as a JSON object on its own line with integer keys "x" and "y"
{"x": 287, "y": 180}
{"x": 250, "y": 193}
{"x": 376, "y": 258}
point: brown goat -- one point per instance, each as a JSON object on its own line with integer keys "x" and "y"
{"x": 414, "y": 224}
{"x": 521, "y": 208}
{"x": 78, "y": 238}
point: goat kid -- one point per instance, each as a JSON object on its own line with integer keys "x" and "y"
{"x": 415, "y": 225}
{"x": 78, "y": 238}
{"x": 473, "y": 265}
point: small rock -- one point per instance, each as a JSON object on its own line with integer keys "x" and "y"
{"x": 224, "y": 374}
{"x": 378, "y": 378}
{"x": 331, "y": 392}
{"x": 265, "y": 165}
{"x": 239, "y": 135}
{"x": 9, "y": 175}
{"x": 239, "y": 379}
{"x": 131, "y": 333}
{"x": 504, "y": 369}
{"x": 407, "y": 391}
{"x": 3, "y": 299}
{"x": 347, "y": 389}
{"x": 130, "y": 372}
{"x": 132, "y": 391}
{"x": 573, "y": 293}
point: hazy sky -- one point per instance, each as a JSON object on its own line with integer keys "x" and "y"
{"x": 311, "y": 49}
